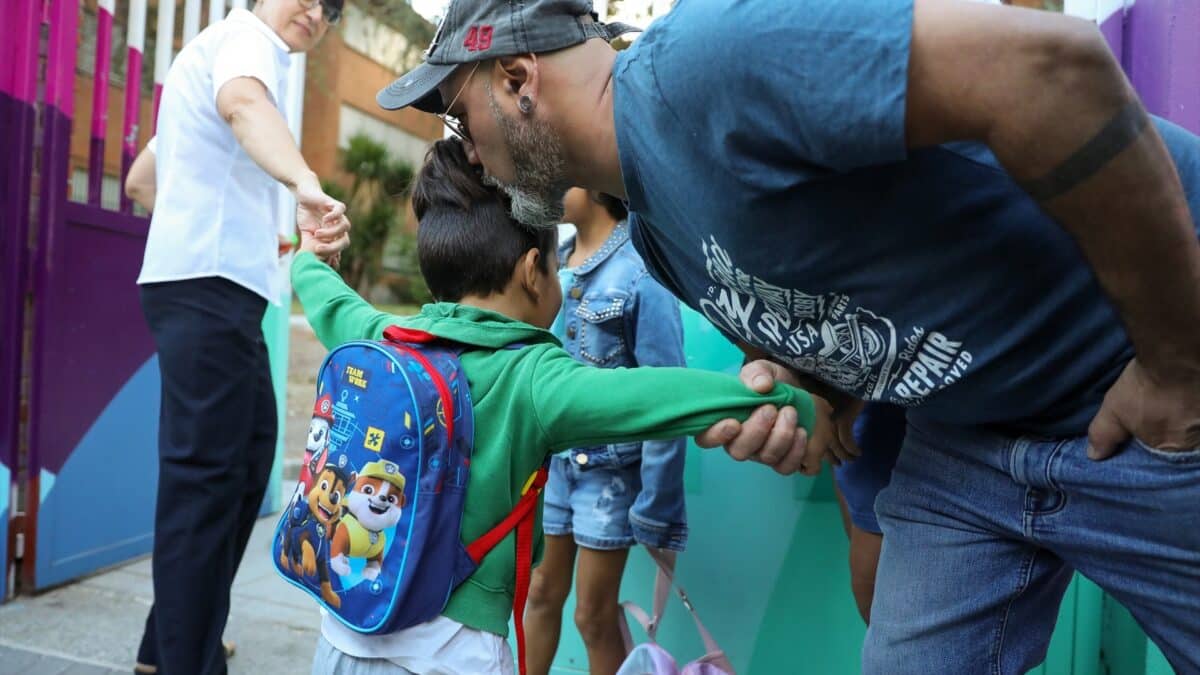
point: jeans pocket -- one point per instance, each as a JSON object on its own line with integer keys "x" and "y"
{"x": 1177, "y": 457}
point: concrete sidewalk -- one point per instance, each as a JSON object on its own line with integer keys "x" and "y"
{"x": 93, "y": 626}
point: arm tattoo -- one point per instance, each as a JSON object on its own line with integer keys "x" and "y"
{"x": 1120, "y": 132}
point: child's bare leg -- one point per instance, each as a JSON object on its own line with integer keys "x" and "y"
{"x": 864, "y": 561}
{"x": 597, "y": 607}
{"x": 548, "y": 591}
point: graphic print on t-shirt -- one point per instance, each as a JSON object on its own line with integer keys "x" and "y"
{"x": 847, "y": 346}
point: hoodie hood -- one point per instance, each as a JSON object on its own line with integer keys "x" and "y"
{"x": 476, "y": 327}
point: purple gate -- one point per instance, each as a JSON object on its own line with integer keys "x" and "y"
{"x": 92, "y": 398}
{"x": 18, "y": 91}
{"x": 80, "y": 438}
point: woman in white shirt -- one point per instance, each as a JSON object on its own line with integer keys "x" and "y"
{"x": 221, "y": 149}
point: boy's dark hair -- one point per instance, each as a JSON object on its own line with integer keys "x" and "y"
{"x": 467, "y": 243}
{"x": 615, "y": 207}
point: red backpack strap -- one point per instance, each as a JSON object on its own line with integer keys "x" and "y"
{"x": 521, "y": 592}
{"x": 521, "y": 519}
{"x": 411, "y": 335}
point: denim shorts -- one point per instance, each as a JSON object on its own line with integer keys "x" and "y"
{"x": 879, "y": 432}
{"x": 592, "y": 505}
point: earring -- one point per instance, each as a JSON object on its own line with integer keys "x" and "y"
{"x": 525, "y": 104}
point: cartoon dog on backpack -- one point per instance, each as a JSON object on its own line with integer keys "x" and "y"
{"x": 374, "y": 505}
{"x": 305, "y": 540}
{"x": 316, "y": 447}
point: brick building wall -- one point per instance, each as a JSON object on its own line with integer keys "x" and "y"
{"x": 339, "y": 77}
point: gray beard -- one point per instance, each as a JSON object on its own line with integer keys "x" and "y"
{"x": 536, "y": 198}
{"x": 527, "y": 208}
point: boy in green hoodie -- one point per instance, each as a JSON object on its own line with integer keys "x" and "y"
{"x": 497, "y": 286}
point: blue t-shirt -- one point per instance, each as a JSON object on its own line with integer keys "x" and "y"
{"x": 763, "y": 153}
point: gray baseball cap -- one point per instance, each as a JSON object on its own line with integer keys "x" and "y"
{"x": 476, "y": 30}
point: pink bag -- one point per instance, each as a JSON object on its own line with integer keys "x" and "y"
{"x": 649, "y": 658}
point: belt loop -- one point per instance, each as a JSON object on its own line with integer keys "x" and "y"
{"x": 1018, "y": 451}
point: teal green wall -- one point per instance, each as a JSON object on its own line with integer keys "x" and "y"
{"x": 275, "y": 332}
{"x": 1125, "y": 646}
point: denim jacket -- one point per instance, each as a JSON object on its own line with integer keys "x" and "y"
{"x": 615, "y": 315}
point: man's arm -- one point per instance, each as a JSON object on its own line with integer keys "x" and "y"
{"x": 1046, "y": 95}
{"x": 140, "y": 183}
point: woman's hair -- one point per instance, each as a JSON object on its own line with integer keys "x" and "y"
{"x": 467, "y": 243}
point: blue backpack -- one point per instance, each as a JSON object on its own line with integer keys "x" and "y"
{"x": 373, "y": 529}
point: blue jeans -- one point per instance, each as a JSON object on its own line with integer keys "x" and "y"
{"x": 982, "y": 532}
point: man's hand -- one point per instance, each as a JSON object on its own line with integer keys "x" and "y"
{"x": 771, "y": 437}
{"x": 1162, "y": 412}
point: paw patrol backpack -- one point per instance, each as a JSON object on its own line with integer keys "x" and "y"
{"x": 372, "y": 531}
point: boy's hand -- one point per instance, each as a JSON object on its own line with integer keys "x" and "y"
{"x": 772, "y": 438}
{"x": 327, "y": 241}
{"x": 833, "y": 436}
{"x": 842, "y": 447}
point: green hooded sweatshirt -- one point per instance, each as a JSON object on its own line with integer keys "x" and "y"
{"x": 530, "y": 403}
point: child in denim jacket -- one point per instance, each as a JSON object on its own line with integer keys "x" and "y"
{"x": 601, "y": 500}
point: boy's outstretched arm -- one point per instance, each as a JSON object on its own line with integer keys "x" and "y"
{"x": 578, "y": 406}
{"x": 336, "y": 313}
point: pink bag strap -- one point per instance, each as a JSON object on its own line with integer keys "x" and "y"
{"x": 649, "y": 623}
{"x": 664, "y": 581}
